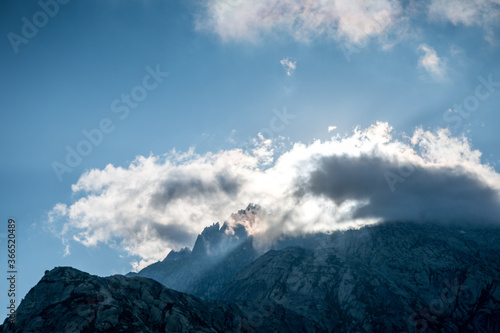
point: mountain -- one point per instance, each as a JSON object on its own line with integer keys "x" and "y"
{"x": 68, "y": 300}
{"x": 389, "y": 277}
{"x": 384, "y": 278}
{"x": 218, "y": 254}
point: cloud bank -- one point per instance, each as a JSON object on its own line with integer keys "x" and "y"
{"x": 159, "y": 203}
{"x": 352, "y": 21}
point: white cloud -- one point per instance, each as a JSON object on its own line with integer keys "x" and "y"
{"x": 289, "y": 66}
{"x": 302, "y": 19}
{"x": 467, "y": 12}
{"x": 482, "y": 13}
{"x": 67, "y": 251}
{"x": 430, "y": 61}
{"x": 331, "y": 128}
{"x": 349, "y": 21}
{"x": 160, "y": 203}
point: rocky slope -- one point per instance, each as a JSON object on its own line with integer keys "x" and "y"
{"x": 385, "y": 278}
{"x": 68, "y": 300}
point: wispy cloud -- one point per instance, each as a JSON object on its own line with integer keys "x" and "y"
{"x": 289, "y": 66}
{"x": 302, "y": 19}
{"x": 331, "y": 128}
{"x": 430, "y": 61}
{"x": 349, "y": 21}
{"x": 482, "y": 13}
{"x": 159, "y": 203}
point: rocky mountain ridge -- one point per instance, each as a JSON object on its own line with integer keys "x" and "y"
{"x": 68, "y": 300}
{"x": 218, "y": 254}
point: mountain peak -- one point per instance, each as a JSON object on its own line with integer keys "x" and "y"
{"x": 247, "y": 218}
{"x": 216, "y": 240}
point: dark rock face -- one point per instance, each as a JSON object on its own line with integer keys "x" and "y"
{"x": 68, "y": 300}
{"x": 392, "y": 277}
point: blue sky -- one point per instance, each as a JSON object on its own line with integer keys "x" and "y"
{"x": 225, "y": 84}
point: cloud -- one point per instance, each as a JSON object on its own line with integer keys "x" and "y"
{"x": 347, "y": 21}
{"x": 430, "y": 61}
{"x": 186, "y": 185}
{"x": 483, "y": 13}
{"x": 331, "y": 128}
{"x": 429, "y": 193}
{"x": 289, "y": 66}
{"x": 304, "y": 20}
{"x": 159, "y": 203}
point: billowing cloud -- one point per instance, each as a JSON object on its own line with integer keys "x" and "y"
{"x": 430, "y": 61}
{"x": 289, "y": 66}
{"x": 349, "y": 21}
{"x": 159, "y": 203}
{"x": 428, "y": 193}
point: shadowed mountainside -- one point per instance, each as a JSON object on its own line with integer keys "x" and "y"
{"x": 68, "y": 300}
{"x": 384, "y": 278}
